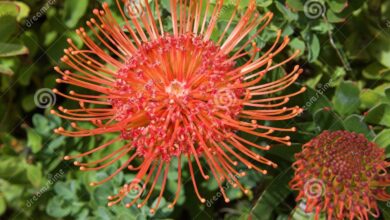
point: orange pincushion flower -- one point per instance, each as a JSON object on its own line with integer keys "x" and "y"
{"x": 342, "y": 174}
{"x": 176, "y": 95}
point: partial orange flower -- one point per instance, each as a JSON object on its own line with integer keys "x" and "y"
{"x": 176, "y": 95}
{"x": 341, "y": 174}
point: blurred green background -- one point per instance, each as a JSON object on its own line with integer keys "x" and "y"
{"x": 345, "y": 48}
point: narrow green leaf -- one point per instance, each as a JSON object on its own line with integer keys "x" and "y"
{"x": 272, "y": 196}
{"x": 9, "y": 50}
{"x": 3, "y": 205}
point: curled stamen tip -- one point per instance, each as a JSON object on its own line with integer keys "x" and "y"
{"x": 128, "y": 205}
{"x": 288, "y": 143}
{"x": 69, "y": 40}
{"x": 110, "y": 204}
{"x": 73, "y": 124}
{"x": 58, "y": 80}
{"x": 202, "y": 200}
{"x": 206, "y": 177}
{"x": 83, "y": 168}
{"x": 264, "y": 172}
{"x": 293, "y": 129}
{"x": 243, "y": 173}
{"x": 57, "y": 68}
{"x": 267, "y": 147}
{"x": 95, "y": 11}
{"x": 53, "y": 112}
{"x": 274, "y": 165}
{"x": 92, "y": 183}
{"x": 76, "y": 163}
{"x": 246, "y": 192}
{"x": 105, "y": 5}
{"x": 235, "y": 185}
{"x": 170, "y": 206}
{"x": 139, "y": 206}
{"x": 235, "y": 163}
{"x": 227, "y": 200}
{"x": 67, "y": 158}
{"x": 152, "y": 211}
{"x": 250, "y": 167}
{"x": 130, "y": 167}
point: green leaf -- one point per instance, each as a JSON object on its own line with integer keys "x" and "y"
{"x": 287, "y": 14}
{"x": 313, "y": 46}
{"x": 74, "y": 10}
{"x": 3, "y": 205}
{"x": 34, "y": 174}
{"x": 8, "y": 27}
{"x": 328, "y": 120}
{"x": 379, "y": 115}
{"x": 34, "y": 140}
{"x": 23, "y": 10}
{"x": 9, "y": 50}
{"x": 355, "y": 123}
{"x": 369, "y": 98}
{"x": 57, "y": 207}
{"x": 299, "y": 213}
{"x": 8, "y": 8}
{"x": 337, "y": 5}
{"x": 380, "y": 49}
{"x": 295, "y": 4}
{"x": 346, "y": 99}
{"x": 272, "y": 196}
{"x": 376, "y": 71}
{"x": 6, "y": 71}
{"x": 383, "y": 140}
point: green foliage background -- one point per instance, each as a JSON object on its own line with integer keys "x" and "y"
{"x": 346, "y": 61}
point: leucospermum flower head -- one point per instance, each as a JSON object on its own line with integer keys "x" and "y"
{"x": 342, "y": 174}
{"x": 178, "y": 96}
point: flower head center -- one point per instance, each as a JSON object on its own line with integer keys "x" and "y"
{"x": 177, "y": 89}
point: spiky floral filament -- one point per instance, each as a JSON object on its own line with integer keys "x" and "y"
{"x": 178, "y": 95}
{"x": 342, "y": 174}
